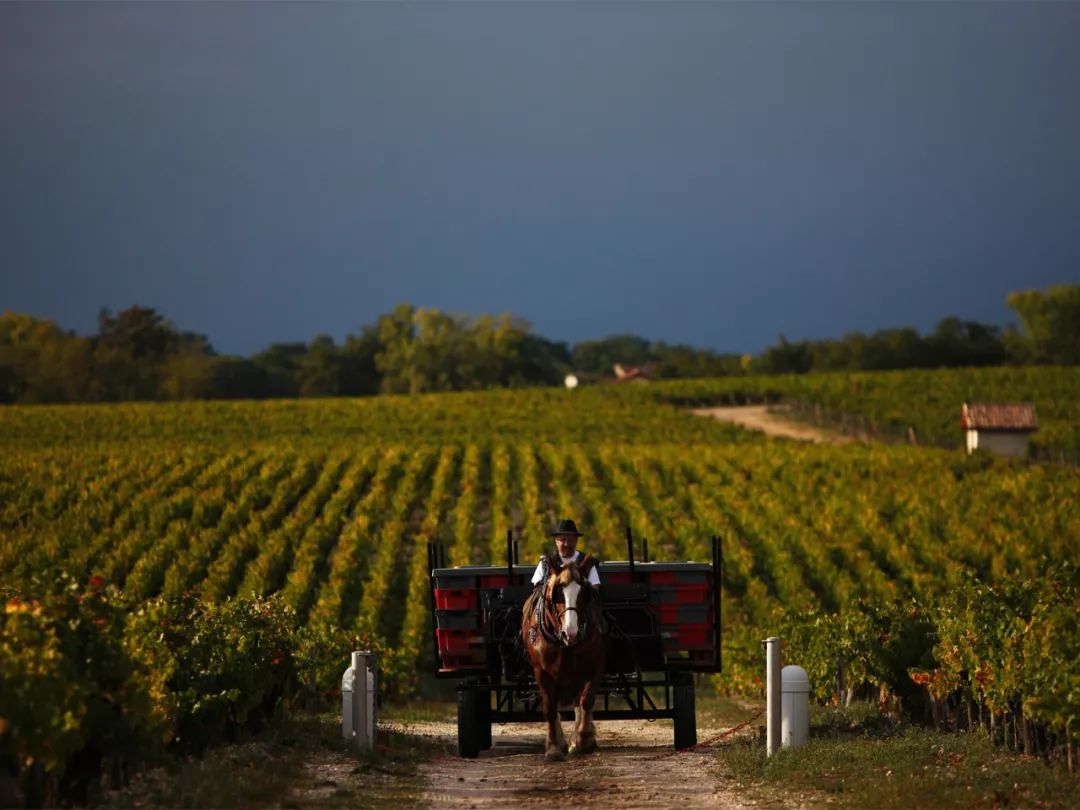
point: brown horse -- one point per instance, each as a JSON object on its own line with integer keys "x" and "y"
{"x": 562, "y": 630}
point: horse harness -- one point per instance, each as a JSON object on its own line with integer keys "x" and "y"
{"x": 543, "y": 620}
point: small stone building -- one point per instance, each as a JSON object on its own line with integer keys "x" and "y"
{"x": 1001, "y": 428}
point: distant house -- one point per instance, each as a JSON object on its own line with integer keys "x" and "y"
{"x": 629, "y": 373}
{"x": 1001, "y": 428}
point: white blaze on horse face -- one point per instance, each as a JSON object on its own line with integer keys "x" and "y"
{"x": 570, "y": 618}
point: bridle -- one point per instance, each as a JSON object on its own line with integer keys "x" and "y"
{"x": 547, "y": 619}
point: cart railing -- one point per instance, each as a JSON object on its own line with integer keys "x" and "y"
{"x": 472, "y": 619}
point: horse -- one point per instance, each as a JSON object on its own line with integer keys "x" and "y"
{"x": 563, "y": 635}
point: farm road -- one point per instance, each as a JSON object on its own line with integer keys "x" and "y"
{"x": 768, "y": 419}
{"x": 625, "y": 772}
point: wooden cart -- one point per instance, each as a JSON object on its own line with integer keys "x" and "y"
{"x": 663, "y": 622}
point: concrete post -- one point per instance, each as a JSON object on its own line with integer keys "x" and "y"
{"x": 348, "y": 691}
{"x": 358, "y": 690}
{"x": 795, "y": 725}
{"x": 772, "y": 695}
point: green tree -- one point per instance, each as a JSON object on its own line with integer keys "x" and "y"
{"x": 600, "y": 356}
{"x": 359, "y": 370}
{"x": 130, "y": 351}
{"x": 785, "y": 358}
{"x": 280, "y": 363}
{"x": 41, "y": 363}
{"x": 1051, "y": 324}
{"x": 320, "y": 370}
{"x": 397, "y": 339}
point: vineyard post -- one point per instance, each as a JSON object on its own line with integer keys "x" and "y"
{"x": 772, "y": 695}
{"x": 358, "y": 703}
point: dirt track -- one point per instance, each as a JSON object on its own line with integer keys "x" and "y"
{"x": 630, "y": 770}
{"x": 773, "y": 422}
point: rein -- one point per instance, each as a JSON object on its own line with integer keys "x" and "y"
{"x": 546, "y": 619}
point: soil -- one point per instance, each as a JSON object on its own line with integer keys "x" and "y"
{"x": 635, "y": 767}
{"x": 772, "y": 419}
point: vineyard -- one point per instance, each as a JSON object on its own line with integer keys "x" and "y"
{"x": 220, "y": 557}
{"x": 926, "y": 401}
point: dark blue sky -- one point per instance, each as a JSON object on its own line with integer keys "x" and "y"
{"x": 714, "y": 173}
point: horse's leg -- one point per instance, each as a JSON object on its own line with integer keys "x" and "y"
{"x": 585, "y": 736}
{"x": 579, "y": 720}
{"x": 555, "y": 748}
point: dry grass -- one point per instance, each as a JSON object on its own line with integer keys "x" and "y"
{"x": 861, "y": 759}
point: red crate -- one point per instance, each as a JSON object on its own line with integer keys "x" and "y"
{"x": 494, "y": 581}
{"x": 694, "y": 594}
{"x": 455, "y": 599}
{"x": 449, "y": 662}
{"x": 458, "y": 620}
{"x": 674, "y": 613}
{"x": 688, "y": 636}
{"x": 458, "y": 641}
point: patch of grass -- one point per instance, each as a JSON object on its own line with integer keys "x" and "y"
{"x": 716, "y": 711}
{"x": 297, "y": 763}
{"x": 858, "y": 758}
{"x": 419, "y": 711}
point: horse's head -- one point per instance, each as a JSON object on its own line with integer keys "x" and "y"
{"x": 570, "y": 596}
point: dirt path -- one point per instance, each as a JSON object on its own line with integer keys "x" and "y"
{"x": 627, "y": 771}
{"x": 771, "y": 420}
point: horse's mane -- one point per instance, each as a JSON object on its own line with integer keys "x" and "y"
{"x": 584, "y": 565}
{"x": 534, "y": 608}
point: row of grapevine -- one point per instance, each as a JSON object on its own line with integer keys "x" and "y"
{"x": 347, "y": 564}
{"x": 855, "y": 553}
{"x": 925, "y": 401}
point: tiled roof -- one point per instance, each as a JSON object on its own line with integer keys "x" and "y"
{"x": 998, "y": 416}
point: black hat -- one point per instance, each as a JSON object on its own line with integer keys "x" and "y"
{"x": 566, "y": 527}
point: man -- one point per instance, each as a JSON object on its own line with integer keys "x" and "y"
{"x": 566, "y": 537}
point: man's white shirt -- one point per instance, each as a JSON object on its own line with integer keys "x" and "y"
{"x": 594, "y": 578}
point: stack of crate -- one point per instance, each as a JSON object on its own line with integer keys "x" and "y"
{"x": 460, "y": 623}
{"x": 681, "y": 594}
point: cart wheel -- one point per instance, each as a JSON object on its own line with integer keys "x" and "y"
{"x": 470, "y": 723}
{"x": 685, "y": 711}
{"x": 484, "y": 719}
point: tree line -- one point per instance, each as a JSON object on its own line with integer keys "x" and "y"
{"x": 137, "y": 354}
{"x": 1050, "y": 335}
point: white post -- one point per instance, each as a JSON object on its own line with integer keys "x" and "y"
{"x": 358, "y": 689}
{"x": 348, "y": 692}
{"x": 795, "y": 727}
{"x": 363, "y": 716}
{"x": 772, "y": 695}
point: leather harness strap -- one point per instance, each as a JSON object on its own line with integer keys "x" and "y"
{"x": 546, "y": 620}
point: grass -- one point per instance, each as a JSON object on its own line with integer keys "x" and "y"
{"x": 859, "y": 758}
{"x": 716, "y": 711}
{"x": 301, "y": 762}
{"x": 419, "y": 711}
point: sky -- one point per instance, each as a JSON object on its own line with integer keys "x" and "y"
{"x": 710, "y": 173}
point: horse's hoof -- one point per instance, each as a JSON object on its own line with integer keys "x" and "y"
{"x": 587, "y": 746}
{"x": 574, "y": 750}
{"x": 555, "y": 755}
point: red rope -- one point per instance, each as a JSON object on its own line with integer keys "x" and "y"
{"x": 387, "y": 749}
{"x": 714, "y": 739}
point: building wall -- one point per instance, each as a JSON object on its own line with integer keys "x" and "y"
{"x": 1002, "y": 443}
{"x": 972, "y": 441}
